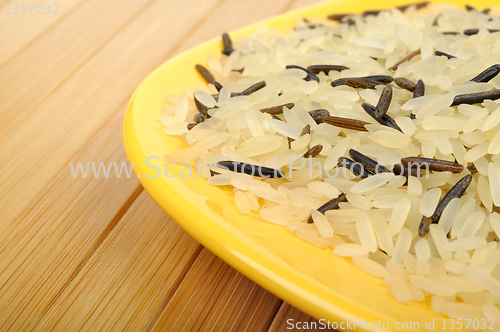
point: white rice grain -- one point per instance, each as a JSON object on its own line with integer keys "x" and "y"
{"x": 431, "y": 286}
{"x": 440, "y": 240}
{"x": 403, "y": 243}
{"x": 486, "y": 280}
{"x": 182, "y": 109}
{"x": 449, "y": 214}
{"x": 371, "y": 183}
{"x": 366, "y": 233}
{"x": 370, "y": 266}
{"x": 183, "y": 155}
{"x": 399, "y": 214}
{"x": 471, "y": 225}
{"x": 400, "y": 292}
{"x": 430, "y": 202}
{"x": 359, "y": 201}
{"x": 324, "y": 189}
{"x": 469, "y": 243}
{"x": 350, "y": 250}
{"x": 494, "y": 177}
{"x": 322, "y": 224}
{"x": 269, "y": 194}
{"x": 277, "y": 217}
{"x": 422, "y": 250}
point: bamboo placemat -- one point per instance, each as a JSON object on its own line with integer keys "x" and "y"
{"x": 98, "y": 254}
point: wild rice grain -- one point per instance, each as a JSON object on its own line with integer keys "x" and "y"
{"x": 449, "y": 56}
{"x": 380, "y": 79}
{"x": 455, "y": 192}
{"x": 433, "y": 164}
{"x": 316, "y": 69}
{"x": 370, "y": 165}
{"x": 332, "y": 204}
{"x": 406, "y": 58}
{"x": 257, "y": 86}
{"x": 419, "y": 90}
{"x": 477, "y": 97}
{"x": 385, "y": 120}
{"x": 405, "y": 83}
{"x": 305, "y": 131}
{"x": 205, "y": 74}
{"x": 227, "y": 44}
{"x": 384, "y": 101}
{"x": 277, "y": 109}
{"x": 470, "y": 32}
{"x": 361, "y": 83}
{"x": 488, "y": 74}
{"x": 313, "y": 152}
{"x": 337, "y": 17}
{"x": 356, "y": 168}
{"x": 310, "y": 75}
{"x": 254, "y": 170}
{"x": 346, "y": 123}
{"x": 319, "y": 115}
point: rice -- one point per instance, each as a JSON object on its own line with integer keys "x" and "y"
{"x": 324, "y": 228}
{"x": 422, "y": 250}
{"x": 351, "y": 250}
{"x": 430, "y": 201}
{"x": 471, "y": 225}
{"x": 258, "y": 112}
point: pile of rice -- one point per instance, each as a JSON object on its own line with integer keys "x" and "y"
{"x": 456, "y": 263}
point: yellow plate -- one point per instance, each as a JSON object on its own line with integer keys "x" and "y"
{"x": 312, "y": 279}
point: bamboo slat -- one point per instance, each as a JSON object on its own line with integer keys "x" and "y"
{"x": 129, "y": 278}
{"x": 69, "y": 116}
{"x": 52, "y": 58}
{"x": 287, "y": 318}
{"x": 215, "y": 297}
{"x": 19, "y": 30}
{"x": 44, "y": 249}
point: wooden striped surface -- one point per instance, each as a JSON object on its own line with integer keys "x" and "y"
{"x": 98, "y": 254}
